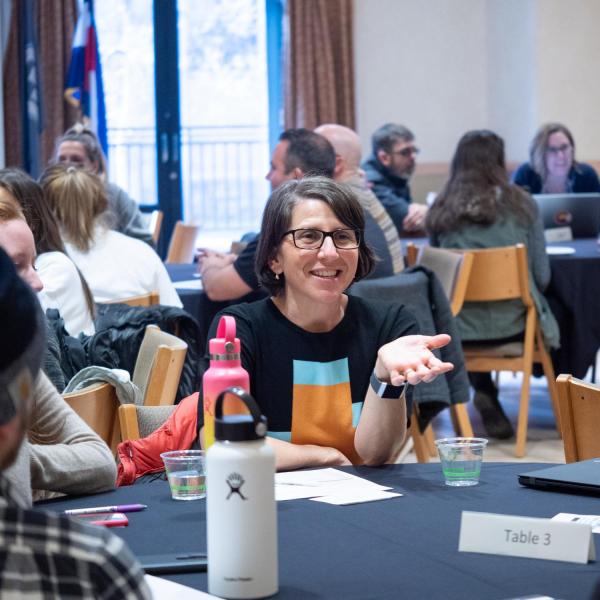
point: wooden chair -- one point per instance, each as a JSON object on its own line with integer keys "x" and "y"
{"x": 502, "y": 274}
{"x": 450, "y": 267}
{"x": 97, "y": 405}
{"x": 155, "y": 223}
{"x": 579, "y": 405}
{"x": 139, "y": 421}
{"x": 452, "y": 270}
{"x": 158, "y": 366}
{"x": 183, "y": 243}
{"x": 149, "y": 299}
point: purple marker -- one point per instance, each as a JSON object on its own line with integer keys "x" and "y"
{"x": 102, "y": 509}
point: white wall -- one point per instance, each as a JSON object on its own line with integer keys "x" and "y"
{"x": 442, "y": 67}
{"x": 568, "y": 69}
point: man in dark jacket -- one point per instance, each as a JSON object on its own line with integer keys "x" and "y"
{"x": 388, "y": 170}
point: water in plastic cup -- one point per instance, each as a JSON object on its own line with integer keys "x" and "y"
{"x": 185, "y": 471}
{"x": 461, "y": 459}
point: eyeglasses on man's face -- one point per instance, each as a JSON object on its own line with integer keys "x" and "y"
{"x": 562, "y": 149}
{"x": 312, "y": 239}
{"x": 406, "y": 152}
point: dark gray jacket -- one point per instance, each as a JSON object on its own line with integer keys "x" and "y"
{"x": 393, "y": 192}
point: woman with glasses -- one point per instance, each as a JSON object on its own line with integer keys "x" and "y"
{"x": 552, "y": 168}
{"x": 328, "y": 370}
{"x": 80, "y": 147}
{"x": 479, "y": 208}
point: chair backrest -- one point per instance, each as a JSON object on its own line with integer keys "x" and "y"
{"x": 499, "y": 274}
{"x": 452, "y": 269}
{"x": 156, "y": 219}
{"x": 579, "y": 407}
{"x": 149, "y": 299}
{"x": 183, "y": 243}
{"x": 139, "y": 421}
{"x": 97, "y": 405}
{"x": 158, "y": 366}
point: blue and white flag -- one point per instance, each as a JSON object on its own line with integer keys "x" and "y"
{"x": 84, "y": 79}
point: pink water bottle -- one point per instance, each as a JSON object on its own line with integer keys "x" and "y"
{"x": 225, "y": 371}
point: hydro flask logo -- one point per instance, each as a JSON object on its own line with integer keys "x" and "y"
{"x": 235, "y": 481}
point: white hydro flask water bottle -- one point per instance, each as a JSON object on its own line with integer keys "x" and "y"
{"x": 241, "y": 518}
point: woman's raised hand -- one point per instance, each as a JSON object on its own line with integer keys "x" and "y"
{"x": 410, "y": 359}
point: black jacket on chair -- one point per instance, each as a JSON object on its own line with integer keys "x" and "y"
{"x": 119, "y": 332}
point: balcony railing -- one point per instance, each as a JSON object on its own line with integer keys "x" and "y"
{"x": 222, "y": 170}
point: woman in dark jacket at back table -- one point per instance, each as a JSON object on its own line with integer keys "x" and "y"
{"x": 552, "y": 168}
{"x": 479, "y": 208}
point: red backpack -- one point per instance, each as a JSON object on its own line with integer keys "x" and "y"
{"x": 178, "y": 432}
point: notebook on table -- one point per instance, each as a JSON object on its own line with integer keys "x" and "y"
{"x": 580, "y": 212}
{"x": 577, "y": 478}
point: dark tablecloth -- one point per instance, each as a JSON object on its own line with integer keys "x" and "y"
{"x": 574, "y": 296}
{"x": 400, "y": 548}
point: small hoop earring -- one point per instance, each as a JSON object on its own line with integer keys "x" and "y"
{"x": 277, "y": 276}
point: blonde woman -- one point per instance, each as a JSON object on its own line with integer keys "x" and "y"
{"x": 64, "y": 287}
{"x": 552, "y": 168}
{"x": 115, "y": 266}
{"x": 80, "y": 147}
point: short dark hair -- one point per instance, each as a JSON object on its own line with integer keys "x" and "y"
{"x": 277, "y": 217}
{"x": 308, "y": 151}
{"x": 389, "y": 134}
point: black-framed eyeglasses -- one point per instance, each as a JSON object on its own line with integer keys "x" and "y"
{"x": 408, "y": 151}
{"x": 563, "y": 149}
{"x": 312, "y": 239}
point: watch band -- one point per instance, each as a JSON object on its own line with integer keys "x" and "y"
{"x": 386, "y": 390}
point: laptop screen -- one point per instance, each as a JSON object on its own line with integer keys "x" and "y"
{"x": 580, "y": 212}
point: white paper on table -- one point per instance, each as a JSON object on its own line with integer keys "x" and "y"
{"x": 357, "y": 496}
{"x": 294, "y": 492}
{"x": 169, "y": 590}
{"x": 321, "y": 482}
{"x": 593, "y": 520}
{"x": 189, "y": 284}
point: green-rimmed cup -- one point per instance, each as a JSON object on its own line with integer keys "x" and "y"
{"x": 461, "y": 459}
{"x": 186, "y": 474}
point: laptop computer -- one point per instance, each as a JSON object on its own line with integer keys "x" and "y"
{"x": 577, "y": 478}
{"x": 580, "y": 212}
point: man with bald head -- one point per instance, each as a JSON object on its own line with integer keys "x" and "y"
{"x": 379, "y": 228}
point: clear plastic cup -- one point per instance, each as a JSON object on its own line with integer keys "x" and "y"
{"x": 186, "y": 474}
{"x": 461, "y": 459}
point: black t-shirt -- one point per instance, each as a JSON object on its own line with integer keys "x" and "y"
{"x": 244, "y": 264}
{"x": 311, "y": 386}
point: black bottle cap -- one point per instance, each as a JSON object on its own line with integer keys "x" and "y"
{"x": 239, "y": 427}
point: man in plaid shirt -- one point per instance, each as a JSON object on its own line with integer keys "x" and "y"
{"x": 45, "y": 555}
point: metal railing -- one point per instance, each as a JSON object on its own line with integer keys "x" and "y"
{"x": 222, "y": 169}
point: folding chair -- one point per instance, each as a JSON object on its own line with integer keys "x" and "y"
{"x": 502, "y": 274}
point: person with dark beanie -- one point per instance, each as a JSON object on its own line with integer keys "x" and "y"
{"x": 44, "y": 554}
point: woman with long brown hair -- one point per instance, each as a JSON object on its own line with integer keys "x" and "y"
{"x": 479, "y": 208}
